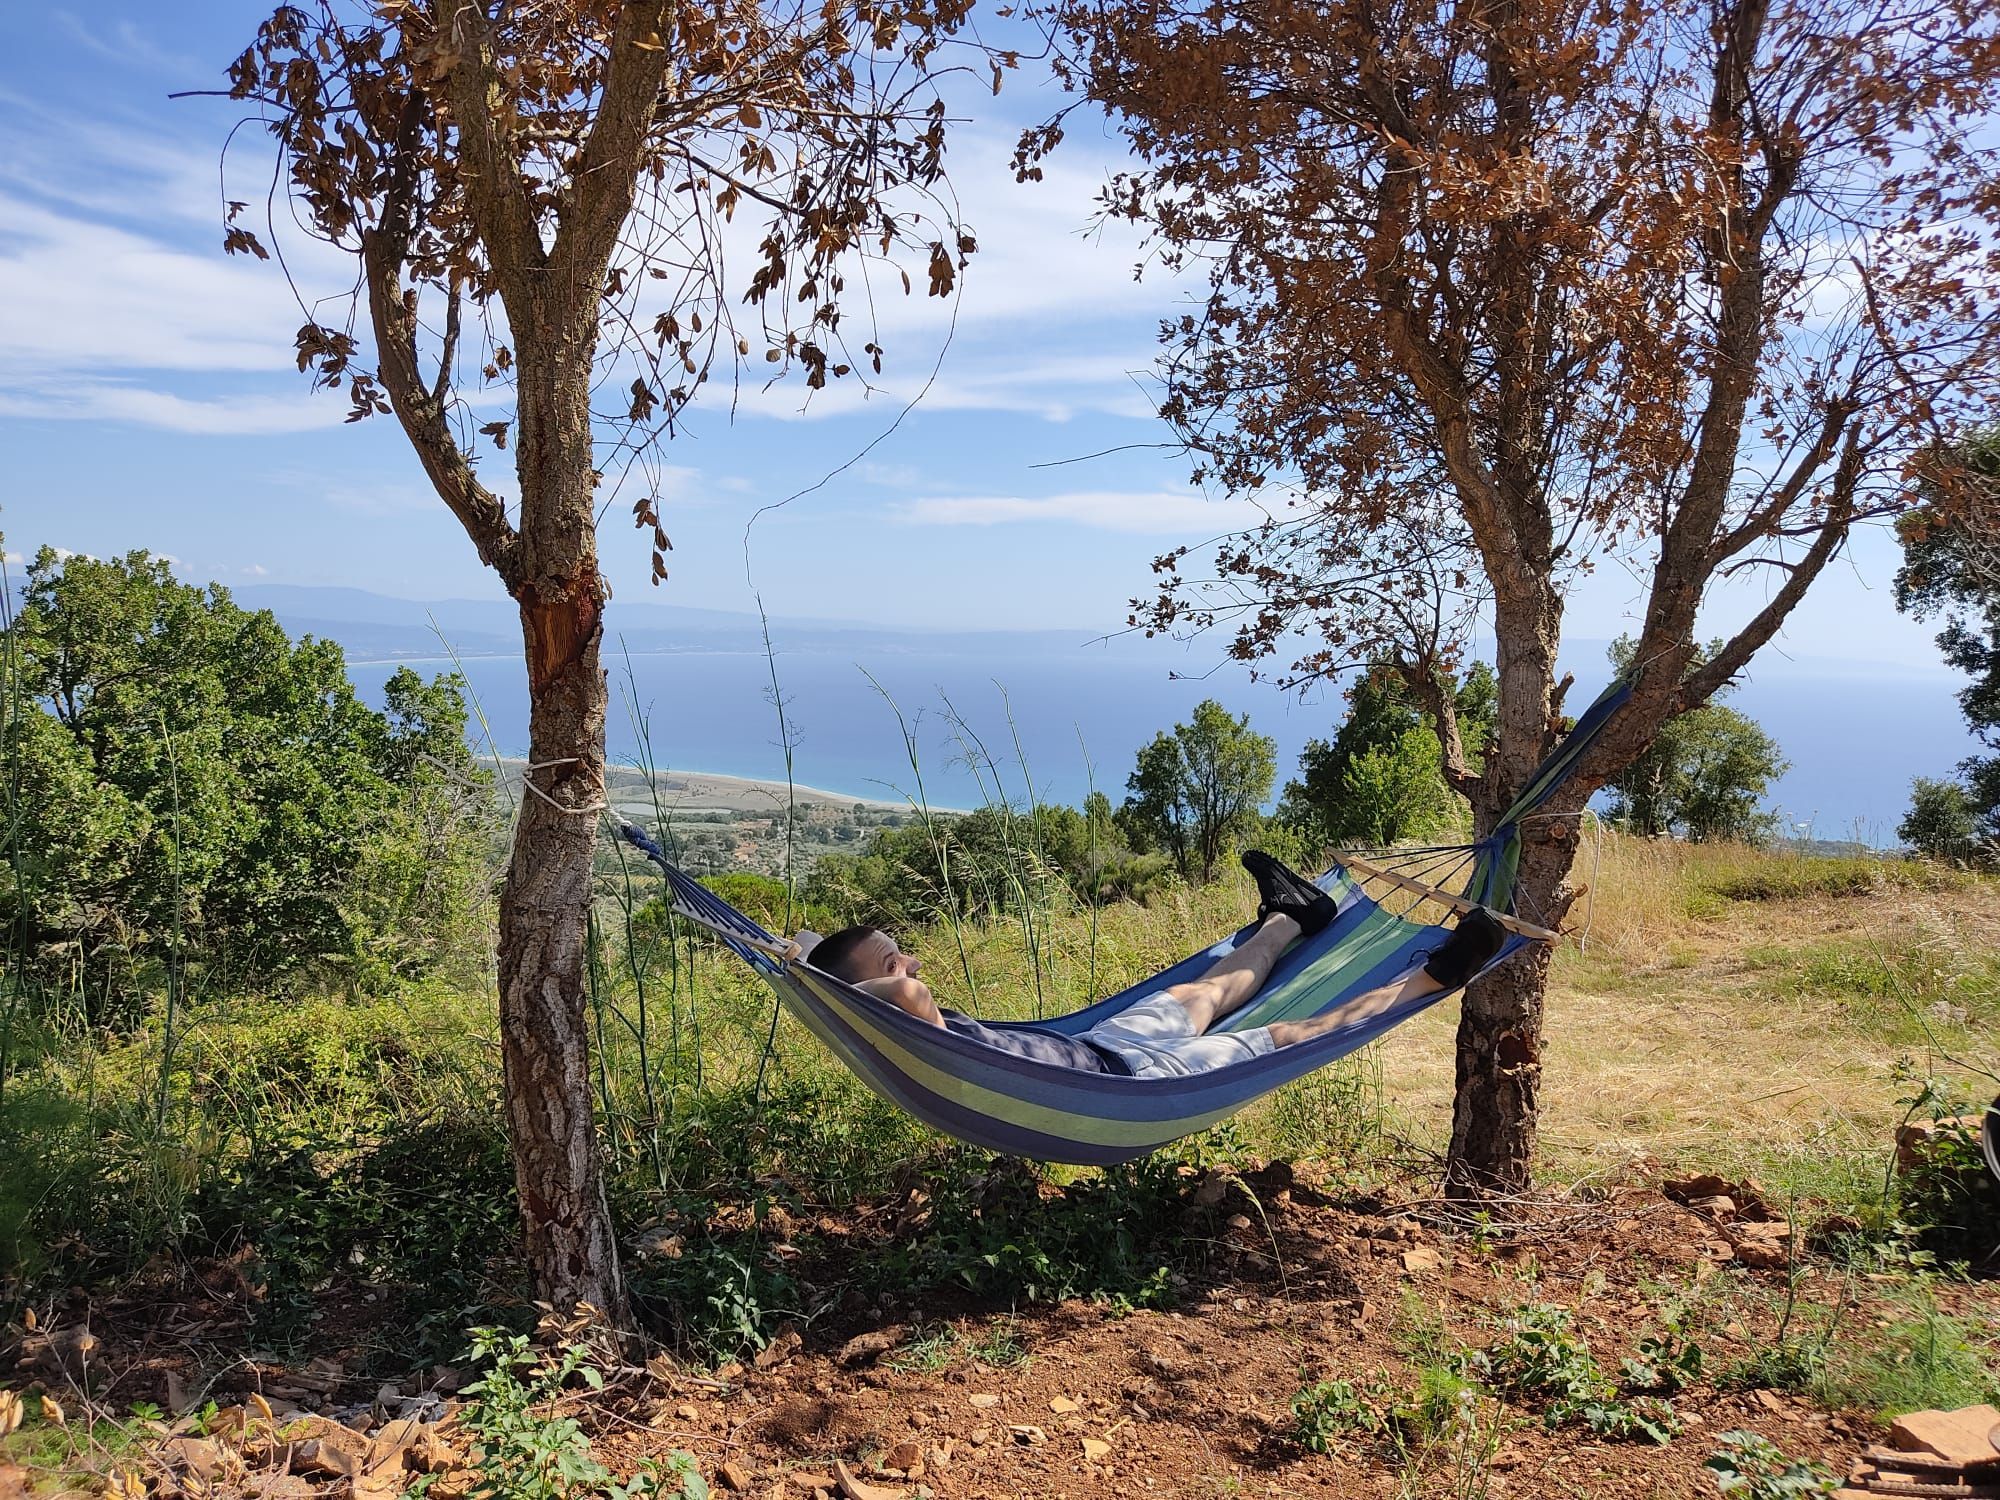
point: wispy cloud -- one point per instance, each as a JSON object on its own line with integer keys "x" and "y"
{"x": 1156, "y": 513}
{"x": 116, "y": 401}
{"x": 124, "y": 42}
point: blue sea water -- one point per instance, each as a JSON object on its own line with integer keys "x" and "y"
{"x": 1854, "y": 735}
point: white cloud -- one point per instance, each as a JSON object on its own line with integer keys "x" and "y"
{"x": 90, "y": 297}
{"x": 126, "y": 43}
{"x": 117, "y": 401}
{"x": 1157, "y": 513}
{"x": 117, "y": 291}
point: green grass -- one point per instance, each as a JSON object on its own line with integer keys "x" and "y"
{"x": 1910, "y": 987}
{"x": 1924, "y": 1361}
{"x": 1774, "y": 876}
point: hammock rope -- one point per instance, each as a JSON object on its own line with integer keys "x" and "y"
{"x": 1018, "y": 1106}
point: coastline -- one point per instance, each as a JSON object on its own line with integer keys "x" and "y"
{"x": 713, "y": 791}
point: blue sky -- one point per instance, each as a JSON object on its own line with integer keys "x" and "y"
{"x": 148, "y": 395}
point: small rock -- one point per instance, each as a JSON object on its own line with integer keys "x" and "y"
{"x": 1420, "y": 1259}
{"x": 1027, "y": 1434}
{"x": 733, "y": 1476}
{"x": 804, "y": 1480}
{"x": 904, "y": 1455}
{"x": 984, "y": 1400}
{"x": 1095, "y": 1450}
{"x": 1062, "y": 1406}
{"x": 979, "y": 1436}
{"x": 194, "y": 1456}
{"x": 686, "y": 1413}
{"x": 866, "y": 1346}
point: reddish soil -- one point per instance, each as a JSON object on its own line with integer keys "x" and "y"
{"x": 1192, "y": 1402}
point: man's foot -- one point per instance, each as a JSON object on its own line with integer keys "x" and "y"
{"x": 1283, "y": 892}
{"x": 1469, "y": 949}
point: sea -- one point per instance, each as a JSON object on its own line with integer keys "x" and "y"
{"x": 955, "y": 729}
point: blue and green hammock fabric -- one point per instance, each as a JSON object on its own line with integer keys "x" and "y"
{"x": 1020, "y": 1107}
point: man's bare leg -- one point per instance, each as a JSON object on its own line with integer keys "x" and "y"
{"x": 1412, "y": 986}
{"x": 1233, "y": 979}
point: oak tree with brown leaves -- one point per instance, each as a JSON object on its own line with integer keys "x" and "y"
{"x": 1499, "y": 290}
{"x": 550, "y": 208}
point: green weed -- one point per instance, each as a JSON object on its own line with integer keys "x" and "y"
{"x": 1754, "y": 1468}
{"x": 1541, "y": 1359}
{"x": 1329, "y": 1410}
{"x": 525, "y": 1450}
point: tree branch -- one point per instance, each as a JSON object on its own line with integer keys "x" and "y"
{"x": 499, "y": 203}
{"x": 1702, "y": 684}
{"x": 418, "y": 406}
{"x": 607, "y": 172}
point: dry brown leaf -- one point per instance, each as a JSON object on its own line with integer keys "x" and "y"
{"x": 10, "y": 1412}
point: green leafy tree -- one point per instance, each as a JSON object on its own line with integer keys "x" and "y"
{"x": 1704, "y": 776}
{"x": 1196, "y": 789}
{"x": 1372, "y": 783}
{"x": 192, "y": 780}
{"x": 1942, "y": 821}
{"x": 1951, "y": 568}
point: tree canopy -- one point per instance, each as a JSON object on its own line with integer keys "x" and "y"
{"x": 1198, "y": 787}
{"x": 1704, "y": 777}
{"x": 1379, "y": 779}
{"x": 191, "y": 781}
{"x": 1951, "y": 571}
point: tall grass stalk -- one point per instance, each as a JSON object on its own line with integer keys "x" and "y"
{"x": 1096, "y": 875}
{"x": 478, "y": 711}
{"x": 940, "y": 850}
{"x": 1016, "y": 880}
{"x": 787, "y": 745}
{"x": 176, "y": 956}
{"x": 10, "y": 735}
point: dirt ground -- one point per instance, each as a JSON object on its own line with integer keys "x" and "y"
{"x": 1077, "y": 1400}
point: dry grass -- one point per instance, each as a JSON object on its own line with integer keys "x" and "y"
{"x": 1738, "y": 1004}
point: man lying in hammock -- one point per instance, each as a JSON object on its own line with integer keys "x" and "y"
{"x": 1167, "y": 1035}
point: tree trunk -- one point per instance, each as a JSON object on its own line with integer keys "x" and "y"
{"x": 1493, "y": 1123}
{"x": 1500, "y": 1017}
{"x": 545, "y": 907}
{"x": 544, "y": 1002}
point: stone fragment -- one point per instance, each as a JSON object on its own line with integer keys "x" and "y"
{"x": 1421, "y": 1259}
{"x": 854, "y": 1489}
{"x": 1096, "y": 1450}
{"x": 733, "y": 1476}
{"x": 1965, "y": 1436}
{"x": 867, "y": 1346}
{"x": 1062, "y": 1406}
{"x": 984, "y": 1400}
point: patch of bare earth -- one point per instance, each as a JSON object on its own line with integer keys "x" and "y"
{"x": 1189, "y": 1402}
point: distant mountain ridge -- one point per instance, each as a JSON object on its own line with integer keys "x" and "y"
{"x": 377, "y": 627}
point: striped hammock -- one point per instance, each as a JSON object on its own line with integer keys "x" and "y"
{"x": 1392, "y": 911}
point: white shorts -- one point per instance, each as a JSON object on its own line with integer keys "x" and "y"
{"x": 1156, "y": 1039}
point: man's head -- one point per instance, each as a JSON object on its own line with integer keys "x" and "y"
{"x": 858, "y": 954}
